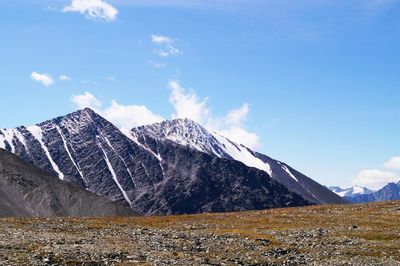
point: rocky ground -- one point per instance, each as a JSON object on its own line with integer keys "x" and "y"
{"x": 318, "y": 235}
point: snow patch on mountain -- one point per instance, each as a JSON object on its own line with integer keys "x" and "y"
{"x": 284, "y": 167}
{"x": 6, "y": 137}
{"x": 350, "y": 192}
{"x": 242, "y": 154}
{"x": 189, "y": 133}
{"x": 37, "y": 132}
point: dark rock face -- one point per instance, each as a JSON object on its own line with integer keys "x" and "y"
{"x": 389, "y": 192}
{"x": 193, "y": 135}
{"x": 302, "y": 185}
{"x": 26, "y": 190}
{"x": 153, "y": 178}
{"x": 196, "y": 182}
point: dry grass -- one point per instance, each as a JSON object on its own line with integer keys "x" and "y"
{"x": 374, "y": 227}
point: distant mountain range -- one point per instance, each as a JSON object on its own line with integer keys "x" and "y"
{"x": 172, "y": 167}
{"x": 351, "y": 192}
{"x": 363, "y": 195}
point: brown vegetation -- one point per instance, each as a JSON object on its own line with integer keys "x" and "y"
{"x": 318, "y": 235}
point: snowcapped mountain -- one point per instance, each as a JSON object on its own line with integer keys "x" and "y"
{"x": 351, "y": 192}
{"x": 153, "y": 177}
{"x": 192, "y": 135}
{"x": 389, "y": 192}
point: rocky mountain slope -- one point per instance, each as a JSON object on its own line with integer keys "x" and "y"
{"x": 389, "y": 192}
{"x": 26, "y": 190}
{"x": 89, "y": 151}
{"x": 190, "y": 134}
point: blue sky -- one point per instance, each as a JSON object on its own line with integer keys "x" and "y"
{"x": 313, "y": 83}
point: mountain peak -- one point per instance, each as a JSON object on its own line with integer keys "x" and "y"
{"x": 184, "y": 132}
{"x": 88, "y": 110}
{"x": 351, "y": 192}
{"x": 188, "y": 133}
{"x": 84, "y": 111}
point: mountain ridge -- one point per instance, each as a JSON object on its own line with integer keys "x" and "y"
{"x": 191, "y": 134}
{"x": 86, "y": 149}
{"x": 387, "y": 193}
{"x": 350, "y": 192}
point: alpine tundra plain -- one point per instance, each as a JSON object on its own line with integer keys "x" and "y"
{"x": 366, "y": 234}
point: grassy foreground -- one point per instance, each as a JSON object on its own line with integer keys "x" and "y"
{"x": 318, "y": 235}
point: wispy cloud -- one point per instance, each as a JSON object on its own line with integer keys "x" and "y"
{"x": 168, "y": 47}
{"x": 110, "y": 78}
{"x": 45, "y": 79}
{"x": 64, "y": 77}
{"x": 157, "y": 65}
{"x": 93, "y": 9}
{"x": 159, "y": 39}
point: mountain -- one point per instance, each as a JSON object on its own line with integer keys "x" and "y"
{"x": 351, "y": 192}
{"x": 153, "y": 178}
{"x": 389, "y": 192}
{"x": 26, "y": 190}
{"x": 192, "y": 135}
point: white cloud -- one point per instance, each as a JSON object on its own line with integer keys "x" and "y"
{"x": 393, "y": 163}
{"x": 189, "y": 105}
{"x": 242, "y": 136}
{"x": 93, "y": 9}
{"x": 51, "y": 9}
{"x": 236, "y": 117}
{"x": 130, "y": 116}
{"x": 167, "y": 43}
{"x": 86, "y": 100}
{"x": 374, "y": 179}
{"x": 110, "y": 78}
{"x": 123, "y": 116}
{"x": 64, "y": 77}
{"x": 159, "y": 39}
{"x": 167, "y": 51}
{"x": 45, "y": 79}
{"x": 157, "y": 65}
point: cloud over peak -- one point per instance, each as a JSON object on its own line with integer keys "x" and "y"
{"x": 186, "y": 104}
{"x": 124, "y": 116}
{"x": 93, "y": 9}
